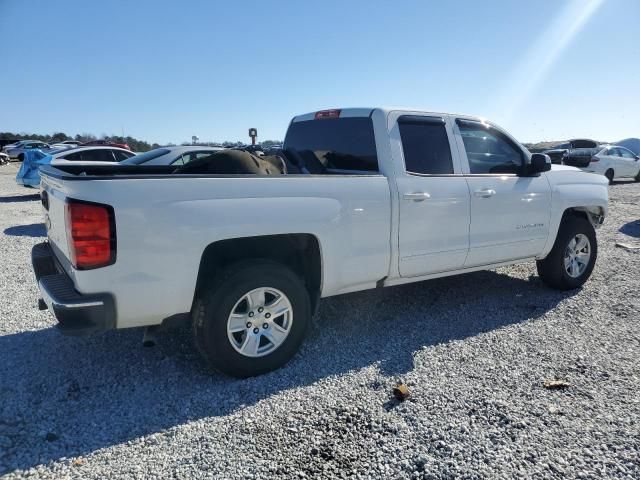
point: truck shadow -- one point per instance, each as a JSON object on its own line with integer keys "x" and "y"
{"x": 63, "y": 397}
{"x": 20, "y": 198}
{"x": 31, "y": 230}
{"x": 632, "y": 229}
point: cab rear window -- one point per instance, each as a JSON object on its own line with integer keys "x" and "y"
{"x": 336, "y": 144}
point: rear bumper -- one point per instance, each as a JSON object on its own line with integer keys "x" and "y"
{"x": 77, "y": 314}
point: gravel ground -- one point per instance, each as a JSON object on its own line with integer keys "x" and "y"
{"x": 474, "y": 351}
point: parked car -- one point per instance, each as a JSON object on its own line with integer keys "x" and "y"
{"x": 172, "y": 155}
{"x": 29, "y": 175}
{"x": 386, "y": 197}
{"x": 632, "y": 144}
{"x": 612, "y": 161}
{"x": 559, "y": 151}
{"x": 8, "y": 142}
{"x": 12, "y": 145}
{"x": 105, "y": 143}
{"x": 65, "y": 144}
{"x": 19, "y": 150}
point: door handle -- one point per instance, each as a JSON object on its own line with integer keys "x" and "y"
{"x": 485, "y": 193}
{"x": 416, "y": 196}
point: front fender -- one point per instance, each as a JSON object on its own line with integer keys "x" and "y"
{"x": 575, "y": 190}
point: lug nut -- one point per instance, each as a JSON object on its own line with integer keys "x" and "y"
{"x": 267, "y": 315}
{"x": 260, "y": 310}
{"x": 265, "y": 325}
{"x": 248, "y": 324}
{"x": 251, "y": 314}
{"x": 256, "y": 330}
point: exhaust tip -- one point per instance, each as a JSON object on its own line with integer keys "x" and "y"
{"x": 149, "y": 337}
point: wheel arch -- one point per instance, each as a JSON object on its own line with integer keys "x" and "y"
{"x": 594, "y": 214}
{"x": 299, "y": 251}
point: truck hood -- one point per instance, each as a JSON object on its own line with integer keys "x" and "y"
{"x": 563, "y": 167}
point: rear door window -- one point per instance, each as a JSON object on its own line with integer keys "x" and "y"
{"x": 103, "y": 155}
{"x": 72, "y": 156}
{"x": 190, "y": 157}
{"x": 181, "y": 160}
{"x": 425, "y": 145}
{"x": 346, "y": 144}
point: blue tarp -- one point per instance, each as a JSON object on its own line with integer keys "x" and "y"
{"x": 28, "y": 175}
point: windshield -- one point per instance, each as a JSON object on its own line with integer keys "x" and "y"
{"x": 145, "y": 157}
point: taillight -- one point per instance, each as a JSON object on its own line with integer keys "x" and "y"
{"x": 90, "y": 234}
{"x": 327, "y": 114}
{"x": 594, "y": 159}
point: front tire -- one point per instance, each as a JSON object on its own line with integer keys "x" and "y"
{"x": 252, "y": 318}
{"x": 609, "y": 174}
{"x": 573, "y": 256}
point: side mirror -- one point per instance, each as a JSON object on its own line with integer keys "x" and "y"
{"x": 637, "y": 157}
{"x": 539, "y": 163}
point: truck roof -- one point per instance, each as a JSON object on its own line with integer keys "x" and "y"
{"x": 368, "y": 111}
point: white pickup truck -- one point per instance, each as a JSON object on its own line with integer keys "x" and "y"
{"x": 383, "y": 197}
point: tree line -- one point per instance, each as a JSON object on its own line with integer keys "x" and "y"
{"x": 135, "y": 144}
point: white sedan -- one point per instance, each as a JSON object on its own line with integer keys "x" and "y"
{"x": 29, "y": 174}
{"x": 172, "y": 155}
{"x": 612, "y": 161}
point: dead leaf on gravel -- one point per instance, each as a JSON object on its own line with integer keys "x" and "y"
{"x": 77, "y": 462}
{"x": 401, "y": 392}
{"x": 555, "y": 384}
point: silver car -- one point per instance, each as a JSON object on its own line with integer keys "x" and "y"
{"x": 18, "y": 151}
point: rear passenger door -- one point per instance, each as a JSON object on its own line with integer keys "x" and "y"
{"x": 433, "y": 197}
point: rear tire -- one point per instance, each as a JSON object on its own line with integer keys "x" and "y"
{"x": 226, "y": 305}
{"x": 564, "y": 268}
{"x": 609, "y": 174}
{"x": 21, "y": 157}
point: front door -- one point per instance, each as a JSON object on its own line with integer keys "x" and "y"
{"x": 433, "y": 198}
{"x": 629, "y": 161}
{"x": 509, "y": 213}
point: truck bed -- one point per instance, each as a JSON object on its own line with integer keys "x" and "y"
{"x": 165, "y": 221}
